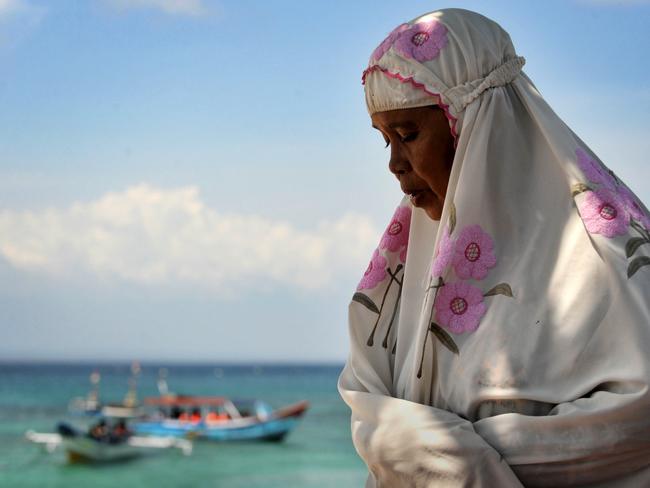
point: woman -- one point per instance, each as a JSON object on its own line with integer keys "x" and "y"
{"x": 500, "y": 334}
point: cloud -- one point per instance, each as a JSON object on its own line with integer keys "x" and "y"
{"x": 10, "y": 6}
{"x": 19, "y": 11}
{"x": 18, "y": 19}
{"x": 154, "y": 236}
{"x": 194, "y": 8}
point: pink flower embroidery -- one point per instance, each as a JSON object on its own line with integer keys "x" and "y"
{"x": 444, "y": 254}
{"x": 593, "y": 170}
{"x": 474, "y": 253}
{"x": 402, "y": 255}
{"x": 397, "y": 232}
{"x": 387, "y": 43}
{"x": 604, "y": 212}
{"x": 459, "y": 307}
{"x": 422, "y": 41}
{"x": 375, "y": 273}
{"x": 631, "y": 203}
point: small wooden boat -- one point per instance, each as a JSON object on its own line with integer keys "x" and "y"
{"x": 219, "y": 418}
{"x": 109, "y": 447}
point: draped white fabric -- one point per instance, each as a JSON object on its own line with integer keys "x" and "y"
{"x": 541, "y": 379}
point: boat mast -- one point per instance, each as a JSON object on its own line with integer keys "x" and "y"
{"x": 92, "y": 400}
{"x": 131, "y": 398}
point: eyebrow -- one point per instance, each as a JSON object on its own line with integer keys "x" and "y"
{"x": 399, "y": 125}
{"x": 403, "y": 125}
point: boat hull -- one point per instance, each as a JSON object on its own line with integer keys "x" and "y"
{"x": 80, "y": 447}
{"x": 273, "y": 430}
{"x": 86, "y": 450}
{"x": 275, "y": 427}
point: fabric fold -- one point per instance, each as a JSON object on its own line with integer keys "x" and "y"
{"x": 461, "y": 96}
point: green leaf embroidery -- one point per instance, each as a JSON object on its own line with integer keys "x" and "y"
{"x": 579, "y": 188}
{"x": 636, "y": 264}
{"x": 500, "y": 289}
{"x": 443, "y": 337}
{"x": 365, "y": 301}
{"x": 633, "y": 244}
{"x": 640, "y": 229}
{"x": 452, "y": 217}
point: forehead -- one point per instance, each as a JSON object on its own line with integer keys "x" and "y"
{"x": 405, "y": 117}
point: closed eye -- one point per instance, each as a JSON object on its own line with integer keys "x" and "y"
{"x": 409, "y": 137}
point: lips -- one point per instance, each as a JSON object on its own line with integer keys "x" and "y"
{"x": 417, "y": 195}
{"x": 413, "y": 192}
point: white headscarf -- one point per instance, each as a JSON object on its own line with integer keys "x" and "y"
{"x": 511, "y": 344}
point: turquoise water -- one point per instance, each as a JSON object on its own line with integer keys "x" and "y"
{"x": 319, "y": 453}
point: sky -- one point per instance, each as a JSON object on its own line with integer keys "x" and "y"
{"x": 198, "y": 180}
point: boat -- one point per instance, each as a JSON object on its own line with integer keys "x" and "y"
{"x": 219, "y": 418}
{"x": 107, "y": 440}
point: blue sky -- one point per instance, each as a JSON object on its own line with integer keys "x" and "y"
{"x": 198, "y": 179}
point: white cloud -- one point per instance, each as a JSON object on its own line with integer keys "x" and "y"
{"x": 148, "y": 235}
{"x": 18, "y": 19}
{"x": 10, "y": 6}
{"x": 173, "y": 7}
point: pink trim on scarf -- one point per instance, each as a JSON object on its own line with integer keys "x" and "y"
{"x": 420, "y": 86}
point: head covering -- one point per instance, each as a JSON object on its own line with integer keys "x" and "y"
{"x": 386, "y": 93}
{"x": 508, "y": 342}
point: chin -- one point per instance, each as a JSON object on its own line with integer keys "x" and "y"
{"x": 434, "y": 212}
{"x": 430, "y": 203}
{"x": 433, "y": 215}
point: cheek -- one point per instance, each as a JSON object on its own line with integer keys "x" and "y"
{"x": 432, "y": 168}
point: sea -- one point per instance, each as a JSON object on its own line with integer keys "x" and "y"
{"x": 318, "y": 453}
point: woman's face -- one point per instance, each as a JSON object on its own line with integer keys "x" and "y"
{"x": 421, "y": 153}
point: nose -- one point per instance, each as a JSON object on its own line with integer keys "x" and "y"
{"x": 398, "y": 164}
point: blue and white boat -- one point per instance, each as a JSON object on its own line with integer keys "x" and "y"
{"x": 109, "y": 439}
{"x": 218, "y": 418}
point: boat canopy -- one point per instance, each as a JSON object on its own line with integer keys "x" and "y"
{"x": 120, "y": 412}
{"x": 185, "y": 401}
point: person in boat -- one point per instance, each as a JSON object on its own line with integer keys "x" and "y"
{"x": 195, "y": 417}
{"x": 500, "y": 335}
{"x": 175, "y": 413}
{"x": 216, "y": 417}
{"x": 99, "y": 431}
{"x": 121, "y": 430}
{"x": 118, "y": 433}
